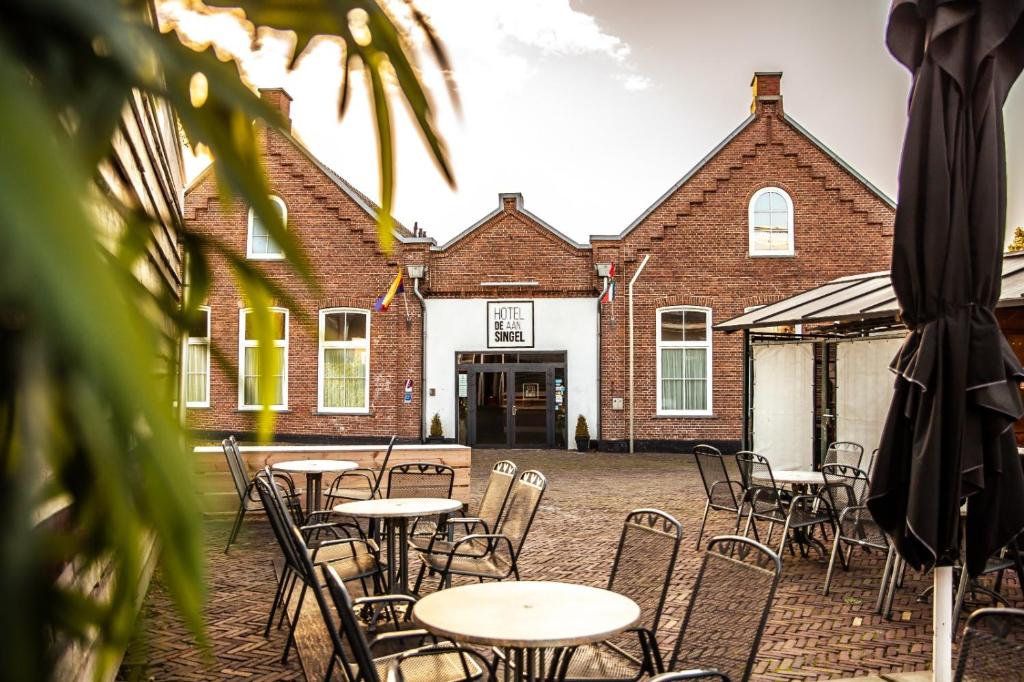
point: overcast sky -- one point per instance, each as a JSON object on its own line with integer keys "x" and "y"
{"x": 593, "y": 108}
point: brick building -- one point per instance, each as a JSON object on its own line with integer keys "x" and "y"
{"x": 501, "y": 332}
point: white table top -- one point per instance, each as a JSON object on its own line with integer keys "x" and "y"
{"x": 526, "y": 614}
{"x": 314, "y": 466}
{"x": 794, "y": 476}
{"x": 398, "y": 507}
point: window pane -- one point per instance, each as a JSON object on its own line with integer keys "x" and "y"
{"x": 345, "y": 327}
{"x": 673, "y": 363}
{"x": 696, "y": 395}
{"x": 344, "y": 378}
{"x": 197, "y": 369}
{"x": 672, "y": 325}
{"x": 672, "y": 394}
{"x": 200, "y": 328}
{"x": 695, "y": 325}
{"x": 764, "y": 202}
{"x": 278, "y": 325}
{"x": 696, "y": 363}
{"x": 260, "y": 242}
{"x": 251, "y": 377}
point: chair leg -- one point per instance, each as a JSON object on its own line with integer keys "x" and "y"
{"x": 287, "y": 601}
{"x": 236, "y": 527}
{"x": 330, "y": 669}
{"x": 419, "y": 578}
{"x": 771, "y": 532}
{"x": 295, "y": 624}
{"x": 958, "y": 602}
{"x": 831, "y": 564}
{"x": 785, "y": 536}
{"x": 704, "y": 519}
{"x": 890, "y": 557}
{"x": 277, "y": 600}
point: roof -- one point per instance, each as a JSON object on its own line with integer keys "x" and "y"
{"x": 496, "y": 212}
{"x": 858, "y": 297}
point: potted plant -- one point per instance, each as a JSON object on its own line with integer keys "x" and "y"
{"x": 436, "y": 430}
{"x": 582, "y": 434}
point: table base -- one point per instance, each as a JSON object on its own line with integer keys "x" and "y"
{"x": 533, "y": 665}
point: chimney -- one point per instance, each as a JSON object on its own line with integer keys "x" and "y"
{"x": 279, "y": 99}
{"x": 767, "y": 91}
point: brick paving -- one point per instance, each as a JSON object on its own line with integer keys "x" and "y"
{"x": 809, "y": 636}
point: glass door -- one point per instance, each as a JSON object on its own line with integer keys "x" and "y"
{"x": 530, "y": 421}
{"x": 490, "y": 398}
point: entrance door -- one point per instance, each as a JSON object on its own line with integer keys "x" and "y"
{"x": 491, "y": 402}
{"x": 530, "y": 423}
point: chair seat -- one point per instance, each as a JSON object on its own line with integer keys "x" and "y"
{"x": 487, "y": 566}
{"x": 351, "y": 494}
{"x": 349, "y": 564}
{"x": 602, "y": 662}
{"x": 441, "y": 667}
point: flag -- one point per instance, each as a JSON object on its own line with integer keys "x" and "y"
{"x": 609, "y": 294}
{"x": 383, "y": 301}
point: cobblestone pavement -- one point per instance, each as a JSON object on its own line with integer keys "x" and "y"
{"x": 809, "y": 636}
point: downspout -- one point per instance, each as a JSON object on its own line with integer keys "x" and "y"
{"x": 636, "y": 275}
{"x": 597, "y": 420}
{"x": 423, "y": 356}
{"x": 183, "y": 346}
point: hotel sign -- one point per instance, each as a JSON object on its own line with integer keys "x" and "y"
{"x": 510, "y": 324}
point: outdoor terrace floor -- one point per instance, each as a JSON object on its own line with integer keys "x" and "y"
{"x": 809, "y": 635}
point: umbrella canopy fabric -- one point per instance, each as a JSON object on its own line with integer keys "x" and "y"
{"x": 948, "y": 435}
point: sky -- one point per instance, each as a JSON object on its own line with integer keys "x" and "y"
{"x": 592, "y": 109}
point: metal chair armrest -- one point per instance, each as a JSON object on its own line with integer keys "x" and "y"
{"x": 385, "y": 599}
{"x": 470, "y": 521}
{"x": 395, "y": 671}
{"x": 492, "y": 542}
{"x": 398, "y": 635}
{"x": 691, "y": 675}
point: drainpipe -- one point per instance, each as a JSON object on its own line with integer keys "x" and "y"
{"x": 636, "y": 276}
{"x": 597, "y": 419}
{"x": 416, "y": 273}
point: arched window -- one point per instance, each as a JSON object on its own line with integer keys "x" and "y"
{"x": 259, "y": 244}
{"x": 771, "y": 223}
{"x": 343, "y": 372}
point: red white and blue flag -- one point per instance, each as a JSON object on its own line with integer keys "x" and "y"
{"x": 383, "y": 301}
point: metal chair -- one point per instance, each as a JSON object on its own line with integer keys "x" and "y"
{"x": 492, "y": 504}
{"x": 847, "y": 489}
{"x": 642, "y": 570}
{"x": 993, "y": 646}
{"x": 844, "y": 452}
{"x": 493, "y": 555}
{"x": 1006, "y": 559}
{"x": 349, "y": 485}
{"x": 728, "y": 610}
{"x": 723, "y": 493}
{"x": 355, "y": 557}
{"x": 446, "y": 662}
{"x": 768, "y": 502}
{"x": 420, "y": 479}
{"x": 247, "y": 498}
{"x": 691, "y": 675}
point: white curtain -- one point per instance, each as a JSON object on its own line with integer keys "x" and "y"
{"x": 198, "y": 365}
{"x": 684, "y": 378}
{"x": 345, "y": 377}
{"x": 251, "y": 377}
{"x": 783, "y": 402}
{"x": 864, "y": 387}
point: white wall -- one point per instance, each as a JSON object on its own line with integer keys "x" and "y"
{"x": 559, "y": 324}
{"x": 784, "y": 404}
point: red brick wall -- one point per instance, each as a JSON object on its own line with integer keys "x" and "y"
{"x": 340, "y": 240}
{"x": 698, "y": 239}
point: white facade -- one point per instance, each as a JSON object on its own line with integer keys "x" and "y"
{"x": 559, "y": 324}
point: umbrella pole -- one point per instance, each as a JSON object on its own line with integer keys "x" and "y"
{"x": 942, "y": 625}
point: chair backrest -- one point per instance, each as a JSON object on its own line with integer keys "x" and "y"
{"x": 499, "y": 484}
{"x": 644, "y": 562}
{"x": 383, "y": 468}
{"x": 420, "y": 479}
{"x": 281, "y": 522}
{"x": 353, "y": 633}
{"x": 715, "y": 476}
{"x": 728, "y": 608}
{"x": 524, "y": 500}
{"x": 239, "y": 476}
{"x": 846, "y": 486}
{"x": 993, "y": 646}
{"x": 844, "y": 452}
{"x": 755, "y": 470}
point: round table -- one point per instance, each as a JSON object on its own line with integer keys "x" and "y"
{"x": 314, "y": 469}
{"x": 523, "y": 617}
{"x": 396, "y": 513}
{"x": 794, "y": 477}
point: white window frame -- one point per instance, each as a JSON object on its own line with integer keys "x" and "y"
{"x": 199, "y": 341}
{"x": 761, "y": 253}
{"x": 244, "y": 343}
{"x": 659, "y": 345}
{"x": 248, "y": 235}
{"x": 322, "y": 345}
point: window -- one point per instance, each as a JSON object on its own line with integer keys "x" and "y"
{"x": 344, "y": 371}
{"x": 684, "y": 361}
{"x": 771, "y": 223}
{"x": 197, "y": 361}
{"x": 249, "y": 376}
{"x": 259, "y": 244}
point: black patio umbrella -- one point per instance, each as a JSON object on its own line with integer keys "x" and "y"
{"x": 948, "y": 435}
